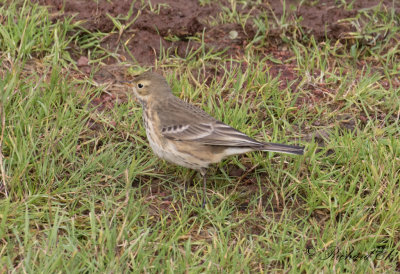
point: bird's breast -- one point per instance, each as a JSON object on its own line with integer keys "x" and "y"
{"x": 156, "y": 140}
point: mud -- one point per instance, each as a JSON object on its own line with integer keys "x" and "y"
{"x": 169, "y": 25}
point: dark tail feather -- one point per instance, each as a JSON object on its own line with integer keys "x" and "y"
{"x": 283, "y": 148}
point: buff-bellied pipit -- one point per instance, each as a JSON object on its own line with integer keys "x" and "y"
{"x": 186, "y": 135}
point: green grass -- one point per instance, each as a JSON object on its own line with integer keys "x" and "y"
{"x": 82, "y": 191}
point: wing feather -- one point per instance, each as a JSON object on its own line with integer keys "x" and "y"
{"x": 189, "y": 123}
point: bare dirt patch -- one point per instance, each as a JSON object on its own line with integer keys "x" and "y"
{"x": 170, "y": 24}
{"x": 324, "y": 19}
{"x": 166, "y": 24}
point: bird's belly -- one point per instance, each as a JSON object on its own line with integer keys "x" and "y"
{"x": 166, "y": 149}
{"x": 168, "y": 152}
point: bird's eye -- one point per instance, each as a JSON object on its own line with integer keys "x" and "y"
{"x": 140, "y": 85}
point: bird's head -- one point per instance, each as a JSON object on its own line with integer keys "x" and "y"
{"x": 150, "y": 85}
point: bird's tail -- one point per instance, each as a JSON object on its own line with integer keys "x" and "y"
{"x": 283, "y": 148}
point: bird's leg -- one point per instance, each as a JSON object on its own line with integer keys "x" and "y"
{"x": 203, "y": 172}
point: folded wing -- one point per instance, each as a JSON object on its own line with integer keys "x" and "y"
{"x": 189, "y": 123}
{"x": 210, "y": 133}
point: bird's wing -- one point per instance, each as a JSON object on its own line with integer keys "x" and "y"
{"x": 185, "y": 122}
{"x": 212, "y": 133}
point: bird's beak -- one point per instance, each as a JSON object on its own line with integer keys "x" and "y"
{"x": 129, "y": 83}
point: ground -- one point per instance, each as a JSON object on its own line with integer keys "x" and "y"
{"x": 81, "y": 190}
{"x": 180, "y": 20}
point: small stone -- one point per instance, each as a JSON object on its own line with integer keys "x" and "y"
{"x": 233, "y": 34}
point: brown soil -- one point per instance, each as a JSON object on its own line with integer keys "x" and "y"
{"x": 182, "y": 19}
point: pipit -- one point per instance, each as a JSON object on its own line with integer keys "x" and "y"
{"x": 186, "y": 135}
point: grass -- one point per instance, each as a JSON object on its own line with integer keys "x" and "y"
{"x": 82, "y": 192}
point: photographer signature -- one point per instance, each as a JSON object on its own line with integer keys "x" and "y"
{"x": 337, "y": 253}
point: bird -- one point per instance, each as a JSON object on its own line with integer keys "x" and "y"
{"x": 185, "y": 135}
